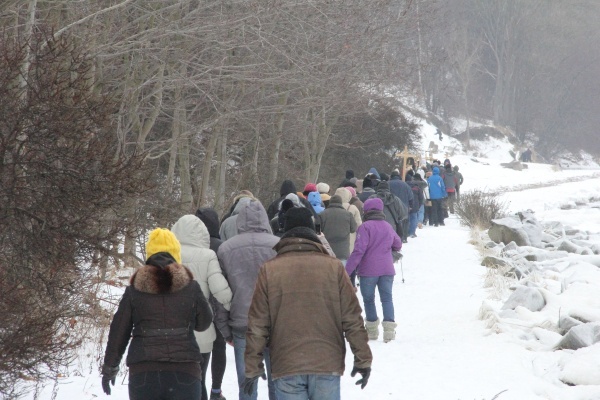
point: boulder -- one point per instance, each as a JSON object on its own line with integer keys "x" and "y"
{"x": 579, "y": 336}
{"x": 493, "y": 262}
{"x": 570, "y": 247}
{"x": 528, "y": 297}
{"x": 532, "y": 227}
{"x": 567, "y": 322}
{"x": 516, "y": 165}
{"x": 508, "y": 230}
{"x": 510, "y": 249}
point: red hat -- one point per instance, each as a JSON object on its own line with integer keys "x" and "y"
{"x": 310, "y": 187}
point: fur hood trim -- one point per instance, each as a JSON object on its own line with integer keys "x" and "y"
{"x": 155, "y": 280}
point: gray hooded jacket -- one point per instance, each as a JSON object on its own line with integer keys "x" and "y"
{"x": 242, "y": 256}
{"x": 228, "y": 227}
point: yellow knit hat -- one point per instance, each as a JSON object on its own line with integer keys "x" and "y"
{"x": 163, "y": 240}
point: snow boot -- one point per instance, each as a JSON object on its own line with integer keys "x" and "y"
{"x": 372, "y": 329}
{"x": 389, "y": 330}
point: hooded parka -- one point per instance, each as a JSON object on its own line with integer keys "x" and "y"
{"x": 196, "y": 255}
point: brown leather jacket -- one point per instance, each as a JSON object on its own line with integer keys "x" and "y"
{"x": 303, "y": 306}
{"x": 160, "y": 311}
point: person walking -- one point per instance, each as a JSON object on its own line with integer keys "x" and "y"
{"x": 241, "y": 258}
{"x": 159, "y": 312}
{"x": 202, "y": 261}
{"x": 394, "y": 210}
{"x": 460, "y": 178}
{"x": 437, "y": 192}
{"x": 373, "y": 260}
{"x": 450, "y": 182}
{"x": 418, "y": 201}
{"x": 400, "y": 189}
{"x": 338, "y": 225}
{"x": 218, "y": 361}
{"x": 304, "y": 307}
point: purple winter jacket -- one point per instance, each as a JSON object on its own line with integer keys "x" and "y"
{"x": 375, "y": 240}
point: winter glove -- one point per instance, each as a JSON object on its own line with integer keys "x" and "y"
{"x": 248, "y": 384}
{"x": 397, "y": 255}
{"x": 109, "y": 375}
{"x": 364, "y": 372}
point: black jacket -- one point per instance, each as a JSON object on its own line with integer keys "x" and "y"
{"x": 159, "y": 312}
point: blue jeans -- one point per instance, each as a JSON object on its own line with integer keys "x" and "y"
{"x": 157, "y": 385}
{"x": 308, "y": 387}
{"x": 421, "y": 213}
{"x": 412, "y": 223}
{"x": 239, "y": 346}
{"x": 367, "y": 289}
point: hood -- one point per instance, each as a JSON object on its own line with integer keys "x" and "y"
{"x": 455, "y": 168}
{"x": 294, "y": 199}
{"x": 253, "y": 218}
{"x": 314, "y": 198}
{"x": 153, "y": 280}
{"x": 191, "y": 231}
{"x": 373, "y": 204}
{"x": 211, "y": 219}
{"x": 344, "y": 194}
{"x": 374, "y": 172}
{"x": 287, "y": 187}
{"x": 436, "y": 171}
{"x": 383, "y": 186}
{"x": 243, "y": 201}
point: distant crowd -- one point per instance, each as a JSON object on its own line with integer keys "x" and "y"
{"x": 278, "y": 284}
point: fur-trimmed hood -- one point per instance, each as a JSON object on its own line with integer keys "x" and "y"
{"x": 156, "y": 280}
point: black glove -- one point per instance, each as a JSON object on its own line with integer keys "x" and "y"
{"x": 109, "y": 375}
{"x": 248, "y": 384}
{"x": 364, "y": 372}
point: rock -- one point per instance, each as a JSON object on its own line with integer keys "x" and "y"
{"x": 568, "y": 246}
{"x": 510, "y": 249}
{"x": 516, "y": 165}
{"x": 566, "y": 323}
{"x": 493, "y": 262}
{"x": 490, "y": 245}
{"x": 532, "y": 227}
{"x": 506, "y": 230}
{"x": 579, "y": 336}
{"x": 527, "y": 297}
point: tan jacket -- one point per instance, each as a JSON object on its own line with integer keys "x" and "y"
{"x": 303, "y": 306}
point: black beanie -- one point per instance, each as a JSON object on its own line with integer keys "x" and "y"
{"x": 367, "y": 182}
{"x": 298, "y": 217}
{"x": 349, "y": 174}
{"x": 383, "y": 185}
{"x": 384, "y": 176}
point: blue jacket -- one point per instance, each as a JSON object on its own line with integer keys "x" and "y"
{"x": 401, "y": 190}
{"x": 314, "y": 198}
{"x": 437, "y": 189}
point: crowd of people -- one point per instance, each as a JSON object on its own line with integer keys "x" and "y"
{"x": 278, "y": 284}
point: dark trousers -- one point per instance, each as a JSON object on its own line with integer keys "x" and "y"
{"x": 219, "y": 360}
{"x": 404, "y": 229}
{"x": 164, "y": 385}
{"x": 437, "y": 213}
{"x": 427, "y": 217}
{"x": 204, "y": 365}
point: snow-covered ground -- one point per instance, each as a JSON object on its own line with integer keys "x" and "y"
{"x": 443, "y": 349}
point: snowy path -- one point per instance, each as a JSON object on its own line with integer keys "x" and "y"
{"x": 441, "y": 349}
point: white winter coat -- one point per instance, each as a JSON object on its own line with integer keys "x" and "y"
{"x": 196, "y": 255}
